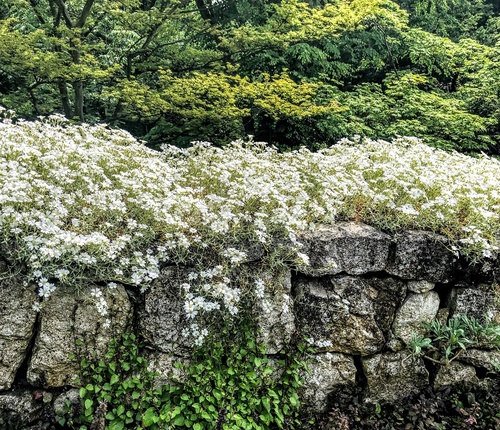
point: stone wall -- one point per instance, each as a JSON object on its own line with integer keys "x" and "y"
{"x": 361, "y": 298}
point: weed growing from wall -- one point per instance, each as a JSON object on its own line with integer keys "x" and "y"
{"x": 444, "y": 343}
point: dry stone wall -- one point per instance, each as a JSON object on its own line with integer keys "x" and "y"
{"x": 363, "y": 296}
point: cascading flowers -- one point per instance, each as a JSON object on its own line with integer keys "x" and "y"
{"x": 89, "y": 204}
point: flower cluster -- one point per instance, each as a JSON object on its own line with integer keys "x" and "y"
{"x": 85, "y": 203}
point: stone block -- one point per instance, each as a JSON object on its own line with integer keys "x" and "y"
{"x": 164, "y": 367}
{"x": 393, "y": 376}
{"x": 420, "y": 286}
{"x": 17, "y": 325}
{"x": 162, "y": 317}
{"x": 416, "y": 309}
{"x": 327, "y": 372}
{"x": 455, "y": 373}
{"x": 69, "y": 315}
{"x": 345, "y": 247}
{"x": 480, "y": 302}
{"x": 276, "y": 324}
{"x": 19, "y": 410}
{"x": 421, "y": 255}
{"x": 482, "y": 359}
{"x": 349, "y": 313}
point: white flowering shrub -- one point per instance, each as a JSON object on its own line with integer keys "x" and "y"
{"x": 84, "y": 203}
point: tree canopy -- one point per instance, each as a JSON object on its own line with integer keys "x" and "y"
{"x": 288, "y": 72}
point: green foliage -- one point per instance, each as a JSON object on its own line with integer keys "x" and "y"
{"x": 455, "y": 19}
{"x": 445, "y": 342}
{"x": 408, "y": 105}
{"x": 228, "y": 384}
{"x": 218, "y": 107}
{"x": 236, "y": 386}
{"x": 174, "y": 71}
{"x": 118, "y": 388}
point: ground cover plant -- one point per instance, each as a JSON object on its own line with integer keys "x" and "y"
{"x": 85, "y": 203}
{"x": 229, "y": 384}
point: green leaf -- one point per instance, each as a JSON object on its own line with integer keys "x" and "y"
{"x": 179, "y": 421}
{"x": 150, "y": 417}
{"x": 116, "y": 425}
{"x": 120, "y": 410}
{"x": 267, "y": 404}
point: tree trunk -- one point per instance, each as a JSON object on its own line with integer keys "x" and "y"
{"x": 78, "y": 89}
{"x": 63, "y": 90}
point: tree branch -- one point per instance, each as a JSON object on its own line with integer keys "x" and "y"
{"x": 85, "y": 13}
{"x": 37, "y": 12}
{"x": 64, "y": 12}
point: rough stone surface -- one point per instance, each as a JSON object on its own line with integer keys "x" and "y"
{"x": 277, "y": 324}
{"x": 66, "y": 317}
{"x": 416, "y": 309}
{"x": 350, "y": 312}
{"x": 422, "y": 256}
{"x": 393, "y": 375}
{"x": 478, "y": 301}
{"x": 162, "y": 318}
{"x": 326, "y": 373}
{"x": 443, "y": 315}
{"x": 164, "y": 366}
{"x": 18, "y": 409}
{"x": 455, "y": 373}
{"x": 17, "y": 322}
{"x": 364, "y": 294}
{"x": 345, "y": 247}
{"x": 481, "y": 359}
{"x": 420, "y": 286}
{"x": 72, "y": 396}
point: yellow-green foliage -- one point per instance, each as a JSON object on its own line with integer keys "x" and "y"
{"x": 215, "y": 106}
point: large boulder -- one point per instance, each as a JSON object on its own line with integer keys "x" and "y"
{"x": 70, "y": 315}
{"x": 326, "y": 373}
{"x": 416, "y": 309}
{"x": 17, "y": 325}
{"x": 345, "y": 247}
{"x": 393, "y": 375}
{"x": 347, "y": 314}
{"x": 421, "y": 255}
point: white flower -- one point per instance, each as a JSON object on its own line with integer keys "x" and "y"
{"x": 303, "y": 258}
{"x": 408, "y": 209}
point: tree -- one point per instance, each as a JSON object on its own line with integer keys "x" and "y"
{"x": 289, "y": 72}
